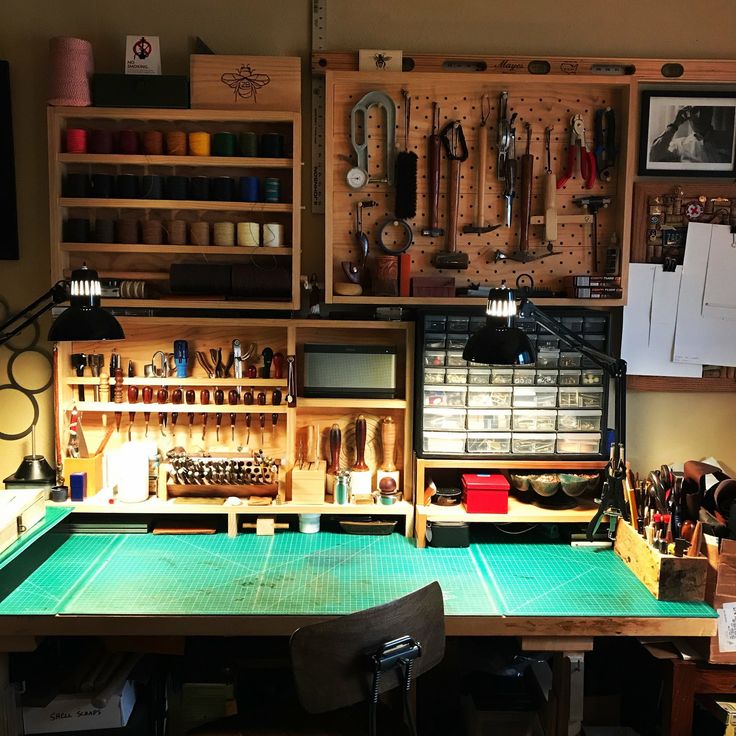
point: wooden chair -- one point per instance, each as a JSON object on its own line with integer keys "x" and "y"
{"x": 333, "y": 663}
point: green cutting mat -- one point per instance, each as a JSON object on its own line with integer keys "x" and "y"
{"x": 52, "y": 517}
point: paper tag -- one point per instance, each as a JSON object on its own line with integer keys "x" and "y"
{"x": 727, "y": 628}
{"x": 142, "y": 55}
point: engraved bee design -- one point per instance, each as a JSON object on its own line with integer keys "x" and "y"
{"x": 245, "y": 82}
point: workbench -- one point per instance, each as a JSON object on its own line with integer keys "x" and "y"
{"x": 552, "y": 595}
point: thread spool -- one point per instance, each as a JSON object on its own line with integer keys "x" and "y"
{"x": 151, "y": 186}
{"x": 271, "y": 189}
{"x": 75, "y": 140}
{"x": 199, "y": 143}
{"x": 199, "y": 187}
{"x": 224, "y": 233}
{"x": 100, "y": 141}
{"x": 71, "y": 64}
{"x": 102, "y": 186}
{"x": 128, "y": 142}
{"x": 271, "y": 145}
{"x": 133, "y": 289}
{"x": 126, "y": 186}
{"x": 153, "y": 142}
{"x": 177, "y": 187}
{"x": 76, "y": 230}
{"x": 223, "y": 144}
{"x": 176, "y": 143}
{"x": 222, "y": 189}
{"x": 104, "y": 231}
{"x": 249, "y": 187}
{"x": 75, "y": 185}
{"x": 152, "y": 232}
{"x": 176, "y": 232}
{"x": 126, "y": 231}
{"x": 199, "y": 233}
{"x": 249, "y": 233}
{"x": 248, "y": 144}
{"x": 273, "y": 234}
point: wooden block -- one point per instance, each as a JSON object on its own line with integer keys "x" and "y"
{"x": 308, "y": 483}
{"x": 90, "y": 465}
{"x": 668, "y": 578}
{"x": 226, "y": 82}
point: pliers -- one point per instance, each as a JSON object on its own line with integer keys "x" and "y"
{"x": 579, "y": 152}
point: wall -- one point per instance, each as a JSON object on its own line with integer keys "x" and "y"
{"x": 283, "y": 27}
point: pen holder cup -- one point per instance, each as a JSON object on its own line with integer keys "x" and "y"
{"x": 90, "y": 465}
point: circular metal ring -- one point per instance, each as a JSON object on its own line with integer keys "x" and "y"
{"x": 519, "y": 285}
{"x": 36, "y": 336}
{"x": 34, "y": 404}
{"x": 14, "y": 381}
{"x": 401, "y": 247}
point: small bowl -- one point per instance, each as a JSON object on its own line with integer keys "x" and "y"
{"x": 519, "y": 482}
{"x": 387, "y": 499}
{"x": 575, "y": 485}
{"x": 545, "y": 485}
{"x": 447, "y": 497}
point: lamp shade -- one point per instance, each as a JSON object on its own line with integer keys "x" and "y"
{"x": 497, "y": 344}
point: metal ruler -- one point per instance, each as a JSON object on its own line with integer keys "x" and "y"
{"x": 317, "y": 179}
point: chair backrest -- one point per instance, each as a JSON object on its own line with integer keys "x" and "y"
{"x": 330, "y": 659}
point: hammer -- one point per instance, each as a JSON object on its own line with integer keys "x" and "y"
{"x": 593, "y": 204}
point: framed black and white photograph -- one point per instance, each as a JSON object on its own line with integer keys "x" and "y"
{"x": 687, "y": 133}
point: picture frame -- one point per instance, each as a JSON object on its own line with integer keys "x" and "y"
{"x": 9, "y": 246}
{"x": 687, "y": 133}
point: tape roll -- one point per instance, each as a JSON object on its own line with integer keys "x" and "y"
{"x": 249, "y": 233}
{"x": 273, "y": 234}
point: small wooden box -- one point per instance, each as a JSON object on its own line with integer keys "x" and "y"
{"x": 668, "y": 578}
{"x": 90, "y": 465}
{"x": 238, "y": 82}
{"x": 308, "y": 484}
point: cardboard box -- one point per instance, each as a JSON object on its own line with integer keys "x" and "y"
{"x": 73, "y": 712}
{"x": 668, "y": 578}
{"x": 90, "y": 465}
{"x": 308, "y": 484}
{"x": 239, "y": 82}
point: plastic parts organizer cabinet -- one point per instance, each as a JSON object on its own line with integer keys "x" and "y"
{"x": 283, "y": 440}
{"x": 144, "y": 266}
{"x": 472, "y": 418}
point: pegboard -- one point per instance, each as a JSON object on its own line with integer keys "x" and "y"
{"x": 542, "y": 103}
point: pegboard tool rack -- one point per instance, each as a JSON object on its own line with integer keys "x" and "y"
{"x": 542, "y": 102}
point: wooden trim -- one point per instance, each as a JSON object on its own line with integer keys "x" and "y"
{"x": 173, "y": 114}
{"x": 556, "y": 644}
{"x": 172, "y": 204}
{"x": 181, "y": 250}
{"x": 124, "y": 159}
{"x": 664, "y": 383}
{"x": 327, "y": 192}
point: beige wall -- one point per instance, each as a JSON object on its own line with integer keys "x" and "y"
{"x": 661, "y": 427}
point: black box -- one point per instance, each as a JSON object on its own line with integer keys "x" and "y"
{"x": 140, "y": 90}
{"x": 448, "y": 534}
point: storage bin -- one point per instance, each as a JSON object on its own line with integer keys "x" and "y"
{"x": 579, "y": 420}
{"x": 476, "y": 323}
{"x": 491, "y": 396}
{"x": 594, "y": 324}
{"x": 570, "y": 359}
{"x": 592, "y": 377}
{"x": 482, "y": 443}
{"x": 485, "y": 493}
{"x": 434, "y": 375}
{"x": 598, "y": 342}
{"x": 479, "y": 375}
{"x": 456, "y": 375}
{"x": 548, "y": 359}
{"x": 444, "y": 442}
{"x": 435, "y": 341}
{"x": 533, "y": 443}
{"x": 502, "y": 376}
{"x": 444, "y": 419}
{"x": 578, "y": 444}
{"x": 458, "y": 323}
{"x": 547, "y": 342}
{"x": 445, "y": 395}
{"x": 546, "y": 378}
{"x": 524, "y": 376}
{"x": 535, "y": 397}
{"x": 584, "y": 398}
{"x": 489, "y": 419}
{"x": 434, "y": 358}
{"x": 455, "y": 358}
{"x": 574, "y": 324}
{"x": 457, "y": 342}
{"x": 534, "y": 420}
{"x": 435, "y": 323}
{"x": 569, "y": 378}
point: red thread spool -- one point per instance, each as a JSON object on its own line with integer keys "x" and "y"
{"x": 76, "y": 140}
{"x": 176, "y": 143}
{"x": 153, "y": 142}
{"x": 128, "y": 142}
{"x": 100, "y": 141}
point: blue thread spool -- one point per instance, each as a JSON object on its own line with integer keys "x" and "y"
{"x": 222, "y": 188}
{"x": 249, "y": 189}
{"x": 271, "y": 189}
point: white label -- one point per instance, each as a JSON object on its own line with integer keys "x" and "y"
{"x": 142, "y": 55}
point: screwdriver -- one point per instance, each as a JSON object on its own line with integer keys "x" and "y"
{"x": 176, "y": 397}
{"x": 118, "y": 396}
{"x": 162, "y": 396}
{"x": 204, "y": 398}
{"x": 132, "y": 399}
{"x": 219, "y": 400}
{"x": 147, "y": 399}
{"x": 189, "y": 398}
{"x": 261, "y": 399}
{"x": 275, "y": 400}
{"x": 247, "y": 426}
{"x": 232, "y": 399}
{"x": 247, "y": 399}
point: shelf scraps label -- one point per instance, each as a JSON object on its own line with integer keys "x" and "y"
{"x": 142, "y": 55}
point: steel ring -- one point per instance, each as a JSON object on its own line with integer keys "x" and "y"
{"x": 402, "y": 247}
{"x": 14, "y": 382}
{"x": 34, "y": 404}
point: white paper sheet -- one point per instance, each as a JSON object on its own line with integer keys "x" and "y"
{"x": 649, "y": 323}
{"x": 699, "y": 338}
{"x": 719, "y": 299}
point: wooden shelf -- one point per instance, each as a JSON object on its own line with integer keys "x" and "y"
{"x": 173, "y": 380}
{"x": 173, "y": 204}
{"x": 179, "y": 250}
{"x": 191, "y": 302}
{"x": 120, "y": 159}
{"x": 109, "y": 407}
{"x": 454, "y": 301}
{"x": 307, "y": 403}
{"x": 501, "y": 463}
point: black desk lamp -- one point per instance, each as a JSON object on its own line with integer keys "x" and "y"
{"x": 499, "y": 342}
{"x": 84, "y": 319}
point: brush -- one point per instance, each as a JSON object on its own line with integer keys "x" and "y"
{"x": 406, "y": 170}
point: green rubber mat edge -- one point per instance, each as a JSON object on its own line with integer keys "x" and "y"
{"x": 53, "y": 516}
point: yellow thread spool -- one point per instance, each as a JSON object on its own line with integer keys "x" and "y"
{"x": 199, "y": 143}
{"x": 224, "y": 233}
{"x": 249, "y": 233}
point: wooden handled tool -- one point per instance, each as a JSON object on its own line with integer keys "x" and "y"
{"x": 335, "y": 448}
{"x": 177, "y": 395}
{"x": 162, "y": 397}
{"x": 388, "y": 444}
{"x": 550, "y": 193}
{"x": 147, "y": 399}
{"x": 204, "y": 398}
{"x": 525, "y": 196}
{"x": 132, "y": 399}
{"x": 189, "y": 397}
{"x": 434, "y": 154}
{"x": 278, "y": 365}
{"x": 696, "y": 541}
{"x": 219, "y": 400}
{"x": 232, "y": 399}
{"x": 361, "y": 435}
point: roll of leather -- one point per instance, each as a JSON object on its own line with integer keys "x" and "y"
{"x": 260, "y": 283}
{"x": 196, "y": 278}
{"x": 271, "y": 145}
{"x": 223, "y": 144}
{"x": 75, "y": 185}
{"x": 177, "y": 187}
{"x": 222, "y": 189}
{"x": 126, "y": 186}
{"x": 128, "y": 142}
{"x": 176, "y": 232}
{"x": 103, "y": 185}
{"x": 100, "y": 141}
{"x": 126, "y": 231}
{"x": 104, "y": 231}
{"x": 199, "y": 233}
{"x": 152, "y": 186}
{"x": 176, "y": 143}
{"x": 152, "y": 232}
{"x": 200, "y": 188}
{"x": 248, "y": 144}
{"x": 249, "y": 189}
{"x": 153, "y": 142}
{"x": 76, "y": 230}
